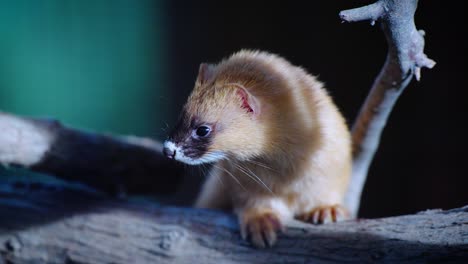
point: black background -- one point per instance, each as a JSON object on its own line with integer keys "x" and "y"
{"x": 421, "y": 160}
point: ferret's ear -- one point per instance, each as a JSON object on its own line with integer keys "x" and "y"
{"x": 205, "y": 72}
{"x": 249, "y": 102}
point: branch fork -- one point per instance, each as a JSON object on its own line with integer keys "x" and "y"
{"x": 405, "y": 59}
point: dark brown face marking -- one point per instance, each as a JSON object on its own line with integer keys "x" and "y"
{"x": 184, "y": 136}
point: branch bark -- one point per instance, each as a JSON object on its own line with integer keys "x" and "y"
{"x": 113, "y": 164}
{"x": 74, "y": 227}
{"x": 405, "y": 59}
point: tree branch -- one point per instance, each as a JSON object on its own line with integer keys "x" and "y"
{"x": 74, "y": 227}
{"x": 109, "y": 163}
{"x": 405, "y": 59}
{"x": 370, "y": 12}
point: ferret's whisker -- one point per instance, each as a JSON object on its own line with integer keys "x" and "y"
{"x": 234, "y": 177}
{"x": 258, "y": 178}
{"x": 206, "y": 172}
{"x": 217, "y": 176}
{"x": 245, "y": 172}
{"x": 211, "y": 157}
{"x": 220, "y": 180}
{"x": 260, "y": 164}
{"x": 253, "y": 176}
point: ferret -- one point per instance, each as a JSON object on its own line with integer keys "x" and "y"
{"x": 279, "y": 146}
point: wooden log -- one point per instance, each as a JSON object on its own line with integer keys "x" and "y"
{"x": 70, "y": 226}
{"x": 114, "y": 164}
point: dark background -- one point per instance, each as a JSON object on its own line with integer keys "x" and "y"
{"x": 128, "y": 66}
{"x": 421, "y": 160}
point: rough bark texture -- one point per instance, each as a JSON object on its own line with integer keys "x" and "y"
{"x": 110, "y": 163}
{"x": 405, "y": 59}
{"x": 77, "y": 227}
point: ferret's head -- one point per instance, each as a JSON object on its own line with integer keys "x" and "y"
{"x": 221, "y": 120}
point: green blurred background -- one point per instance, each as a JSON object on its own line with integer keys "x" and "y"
{"x": 95, "y": 65}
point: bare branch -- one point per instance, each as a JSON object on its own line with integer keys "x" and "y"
{"x": 110, "y": 163}
{"x": 405, "y": 58}
{"x": 372, "y": 12}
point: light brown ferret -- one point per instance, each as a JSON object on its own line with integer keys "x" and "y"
{"x": 279, "y": 146}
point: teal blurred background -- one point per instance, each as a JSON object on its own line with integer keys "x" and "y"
{"x": 95, "y": 65}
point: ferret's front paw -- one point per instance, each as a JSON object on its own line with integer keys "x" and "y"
{"x": 261, "y": 229}
{"x": 324, "y": 214}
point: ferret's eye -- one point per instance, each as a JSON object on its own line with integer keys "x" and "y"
{"x": 203, "y": 131}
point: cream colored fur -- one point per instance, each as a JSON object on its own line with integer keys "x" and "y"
{"x": 289, "y": 158}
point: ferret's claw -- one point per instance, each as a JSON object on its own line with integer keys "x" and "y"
{"x": 262, "y": 229}
{"x": 324, "y": 215}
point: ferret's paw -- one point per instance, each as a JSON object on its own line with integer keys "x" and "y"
{"x": 325, "y": 214}
{"x": 261, "y": 229}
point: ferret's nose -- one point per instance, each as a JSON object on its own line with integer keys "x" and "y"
{"x": 169, "y": 153}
